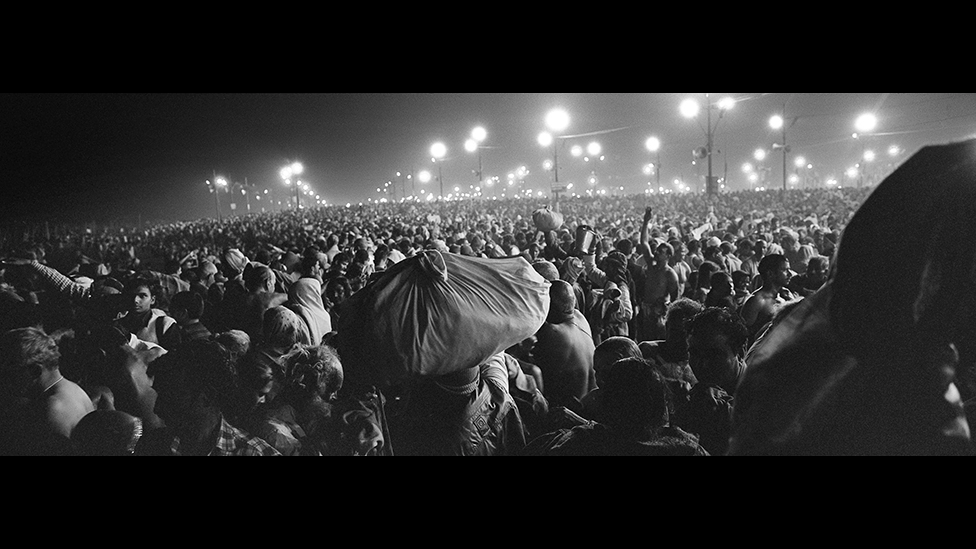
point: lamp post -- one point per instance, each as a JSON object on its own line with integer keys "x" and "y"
{"x": 864, "y": 124}
{"x": 557, "y": 120}
{"x": 689, "y": 109}
{"x": 437, "y": 152}
{"x": 215, "y": 187}
{"x": 653, "y": 144}
{"x": 474, "y": 145}
{"x": 286, "y": 173}
{"x": 777, "y": 122}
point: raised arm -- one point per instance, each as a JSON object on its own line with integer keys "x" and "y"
{"x": 53, "y": 278}
{"x": 644, "y": 246}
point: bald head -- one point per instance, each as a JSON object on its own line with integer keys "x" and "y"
{"x": 562, "y": 302}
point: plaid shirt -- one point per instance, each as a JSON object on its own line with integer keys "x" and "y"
{"x": 231, "y": 441}
{"x": 59, "y": 282}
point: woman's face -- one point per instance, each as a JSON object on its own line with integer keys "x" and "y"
{"x": 337, "y": 293}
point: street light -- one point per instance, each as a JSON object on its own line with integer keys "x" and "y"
{"x": 557, "y": 120}
{"x": 653, "y": 144}
{"x": 215, "y": 187}
{"x": 478, "y": 135}
{"x": 437, "y": 151}
{"x": 777, "y": 122}
{"x": 295, "y": 168}
{"x": 864, "y": 124}
{"x": 689, "y": 109}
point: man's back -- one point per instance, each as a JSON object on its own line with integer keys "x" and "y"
{"x": 564, "y": 352}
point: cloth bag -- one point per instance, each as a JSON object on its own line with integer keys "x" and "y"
{"x": 435, "y": 314}
{"x": 547, "y": 220}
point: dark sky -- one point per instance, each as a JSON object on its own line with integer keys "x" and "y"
{"x": 100, "y": 157}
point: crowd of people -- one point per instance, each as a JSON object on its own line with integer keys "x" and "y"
{"x": 226, "y": 338}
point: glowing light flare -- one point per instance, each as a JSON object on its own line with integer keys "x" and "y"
{"x": 866, "y": 122}
{"x": 471, "y": 145}
{"x": 747, "y": 168}
{"x": 799, "y": 162}
{"x": 759, "y": 155}
{"x": 297, "y": 168}
{"x": 689, "y": 108}
{"x": 652, "y": 144}
{"x": 544, "y": 139}
{"x": 576, "y": 151}
{"x": 893, "y": 150}
{"x": 776, "y": 122}
{"x": 869, "y": 155}
{"x": 424, "y": 176}
{"x": 726, "y": 103}
{"x": 593, "y": 149}
{"x": 557, "y": 120}
{"x": 438, "y": 150}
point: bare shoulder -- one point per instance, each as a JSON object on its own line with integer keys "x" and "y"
{"x": 66, "y": 407}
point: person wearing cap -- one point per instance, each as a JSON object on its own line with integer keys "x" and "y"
{"x": 564, "y": 350}
{"x": 230, "y": 310}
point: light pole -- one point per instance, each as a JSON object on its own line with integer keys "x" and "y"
{"x": 557, "y": 120}
{"x": 801, "y": 164}
{"x": 864, "y": 124}
{"x": 653, "y": 144}
{"x": 474, "y": 145}
{"x": 777, "y": 122}
{"x": 286, "y": 173}
{"x": 437, "y": 152}
{"x": 218, "y": 183}
{"x": 689, "y": 109}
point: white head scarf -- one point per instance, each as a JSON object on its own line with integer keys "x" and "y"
{"x": 305, "y": 298}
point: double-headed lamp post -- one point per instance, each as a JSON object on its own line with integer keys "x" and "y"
{"x": 689, "y": 108}
{"x": 437, "y": 152}
{"x": 218, "y": 184}
{"x": 286, "y": 173}
{"x": 474, "y": 145}
{"x": 653, "y": 144}
{"x": 557, "y": 120}
{"x": 864, "y": 124}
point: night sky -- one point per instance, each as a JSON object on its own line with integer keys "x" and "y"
{"x": 122, "y": 157}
